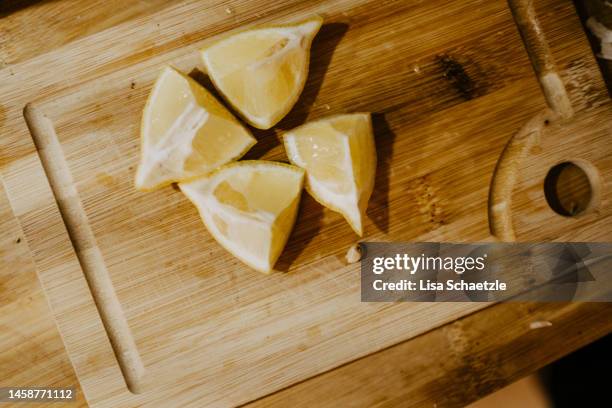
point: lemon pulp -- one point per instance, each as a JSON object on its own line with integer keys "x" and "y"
{"x": 261, "y": 72}
{"x": 249, "y": 207}
{"x": 339, "y": 156}
{"x": 185, "y": 132}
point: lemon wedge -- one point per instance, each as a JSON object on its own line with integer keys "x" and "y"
{"x": 185, "y": 132}
{"x": 261, "y": 72}
{"x": 249, "y": 207}
{"x": 339, "y": 156}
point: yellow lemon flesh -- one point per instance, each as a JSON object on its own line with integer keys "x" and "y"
{"x": 339, "y": 156}
{"x": 261, "y": 72}
{"x": 185, "y": 133}
{"x": 249, "y": 207}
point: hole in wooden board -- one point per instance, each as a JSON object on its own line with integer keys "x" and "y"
{"x": 569, "y": 188}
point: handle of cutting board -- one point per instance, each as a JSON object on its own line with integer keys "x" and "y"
{"x": 559, "y": 109}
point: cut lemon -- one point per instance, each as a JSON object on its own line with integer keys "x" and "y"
{"x": 261, "y": 72}
{"x": 249, "y": 207}
{"x": 185, "y": 132}
{"x": 339, "y": 156}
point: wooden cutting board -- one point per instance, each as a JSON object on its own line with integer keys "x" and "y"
{"x": 449, "y": 84}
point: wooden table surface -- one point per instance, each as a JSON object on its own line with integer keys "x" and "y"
{"x": 449, "y": 366}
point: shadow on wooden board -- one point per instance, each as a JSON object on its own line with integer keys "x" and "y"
{"x": 8, "y": 7}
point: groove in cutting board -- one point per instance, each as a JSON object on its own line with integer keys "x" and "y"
{"x": 541, "y": 58}
{"x": 86, "y": 248}
{"x": 559, "y": 107}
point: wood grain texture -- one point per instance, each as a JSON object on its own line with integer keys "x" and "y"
{"x": 456, "y": 364}
{"x": 567, "y": 142}
{"x": 32, "y": 353}
{"x": 84, "y": 243}
{"x": 33, "y": 27}
{"x": 542, "y": 60}
{"x": 415, "y": 106}
{"x": 308, "y": 320}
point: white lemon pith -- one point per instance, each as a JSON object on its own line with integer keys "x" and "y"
{"x": 185, "y": 133}
{"x": 339, "y": 156}
{"x": 261, "y": 72}
{"x": 249, "y": 207}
